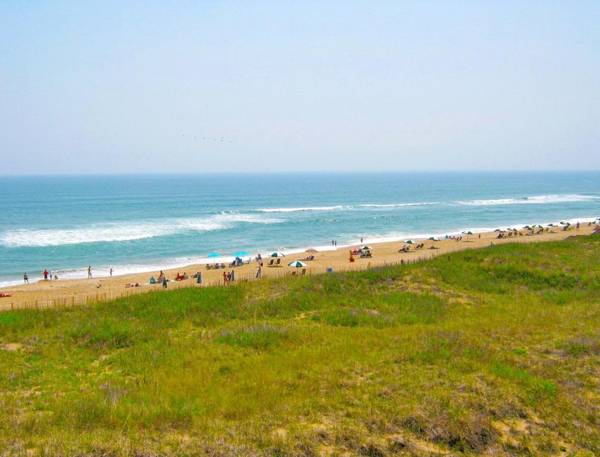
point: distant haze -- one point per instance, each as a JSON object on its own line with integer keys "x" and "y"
{"x": 126, "y": 87}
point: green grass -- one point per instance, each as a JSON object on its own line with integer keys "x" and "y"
{"x": 492, "y": 351}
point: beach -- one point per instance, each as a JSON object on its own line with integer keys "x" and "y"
{"x": 70, "y": 292}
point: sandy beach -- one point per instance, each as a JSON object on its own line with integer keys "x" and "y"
{"x": 82, "y": 291}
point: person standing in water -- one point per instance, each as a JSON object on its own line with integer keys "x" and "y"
{"x": 89, "y": 272}
{"x": 25, "y": 278}
{"x": 110, "y": 272}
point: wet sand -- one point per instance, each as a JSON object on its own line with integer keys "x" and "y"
{"x": 81, "y": 291}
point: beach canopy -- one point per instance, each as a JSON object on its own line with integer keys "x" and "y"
{"x": 278, "y": 254}
{"x": 409, "y": 241}
{"x": 212, "y": 255}
{"x": 241, "y": 253}
{"x": 311, "y": 251}
{"x": 296, "y": 264}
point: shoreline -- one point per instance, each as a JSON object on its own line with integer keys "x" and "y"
{"x": 66, "y": 292}
{"x": 102, "y": 271}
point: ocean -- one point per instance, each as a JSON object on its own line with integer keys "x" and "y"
{"x": 146, "y": 222}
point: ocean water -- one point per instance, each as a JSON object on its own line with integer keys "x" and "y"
{"x": 137, "y": 223}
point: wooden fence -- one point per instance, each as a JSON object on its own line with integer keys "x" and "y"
{"x": 273, "y": 273}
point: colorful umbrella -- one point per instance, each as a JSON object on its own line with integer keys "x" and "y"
{"x": 296, "y": 264}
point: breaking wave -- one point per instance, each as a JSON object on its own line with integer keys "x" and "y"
{"x": 341, "y": 207}
{"x": 533, "y": 200}
{"x": 126, "y": 231}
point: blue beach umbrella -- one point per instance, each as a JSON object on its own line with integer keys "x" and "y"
{"x": 212, "y": 255}
{"x": 278, "y": 254}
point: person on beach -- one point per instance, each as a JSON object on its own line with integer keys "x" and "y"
{"x": 110, "y": 272}
{"x": 161, "y": 277}
{"x": 25, "y": 278}
{"x": 259, "y": 271}
{"x": 232, "y": 275}
{"x": 45, "y": 274}
{"x": 89, "y": 271}
{"x": 164, "y": 280}
{"x": 225, "y": 278}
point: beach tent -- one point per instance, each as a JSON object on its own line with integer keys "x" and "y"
{"x": 212, "y": 255}
{"x": 409, "y": 241}
{"x": 365, "y": 248}
{"x": 277, "y": 254}
{"x": 296, "y": 264}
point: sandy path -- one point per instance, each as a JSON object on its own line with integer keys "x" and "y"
{"x": 81, "y": 291}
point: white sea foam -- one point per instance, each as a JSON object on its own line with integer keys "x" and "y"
{"x": 395, "y": 205}
{"x": 127, "y": 231}
{"x": 302, "y": 209}
{"x": 532, "y": 200}
{"x": 342, "y": 207}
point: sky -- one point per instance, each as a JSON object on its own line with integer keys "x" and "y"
{"x": 270, "y": 86}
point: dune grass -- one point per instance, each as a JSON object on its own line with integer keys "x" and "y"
{"x": 492, "y": 351}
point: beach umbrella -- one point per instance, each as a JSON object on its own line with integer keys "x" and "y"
{"x": 277, "y": 254}
{"x": 296, "y": 264}
{"x": 212, "y": 255}
{"x": 311, "y": 251}
{"x": 433, "y": 238}
{"x": 365, "y": 248}
{"x": 409, "y": 241}
{"x": 241, "y": 254}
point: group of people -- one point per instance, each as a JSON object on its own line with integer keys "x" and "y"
{"x": 48, "y": 276}
{"x": 228, "y": 276}
{"x": 364, "y": 252}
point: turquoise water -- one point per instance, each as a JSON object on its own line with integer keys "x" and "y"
{"x": 136, "y": 223}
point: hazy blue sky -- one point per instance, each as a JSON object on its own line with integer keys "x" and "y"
{"x": 267, "y": 86}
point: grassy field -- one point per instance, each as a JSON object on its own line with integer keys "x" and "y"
{"x": 495, "y": 351}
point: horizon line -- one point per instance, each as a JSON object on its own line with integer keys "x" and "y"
{"x": 293, "y": 172}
